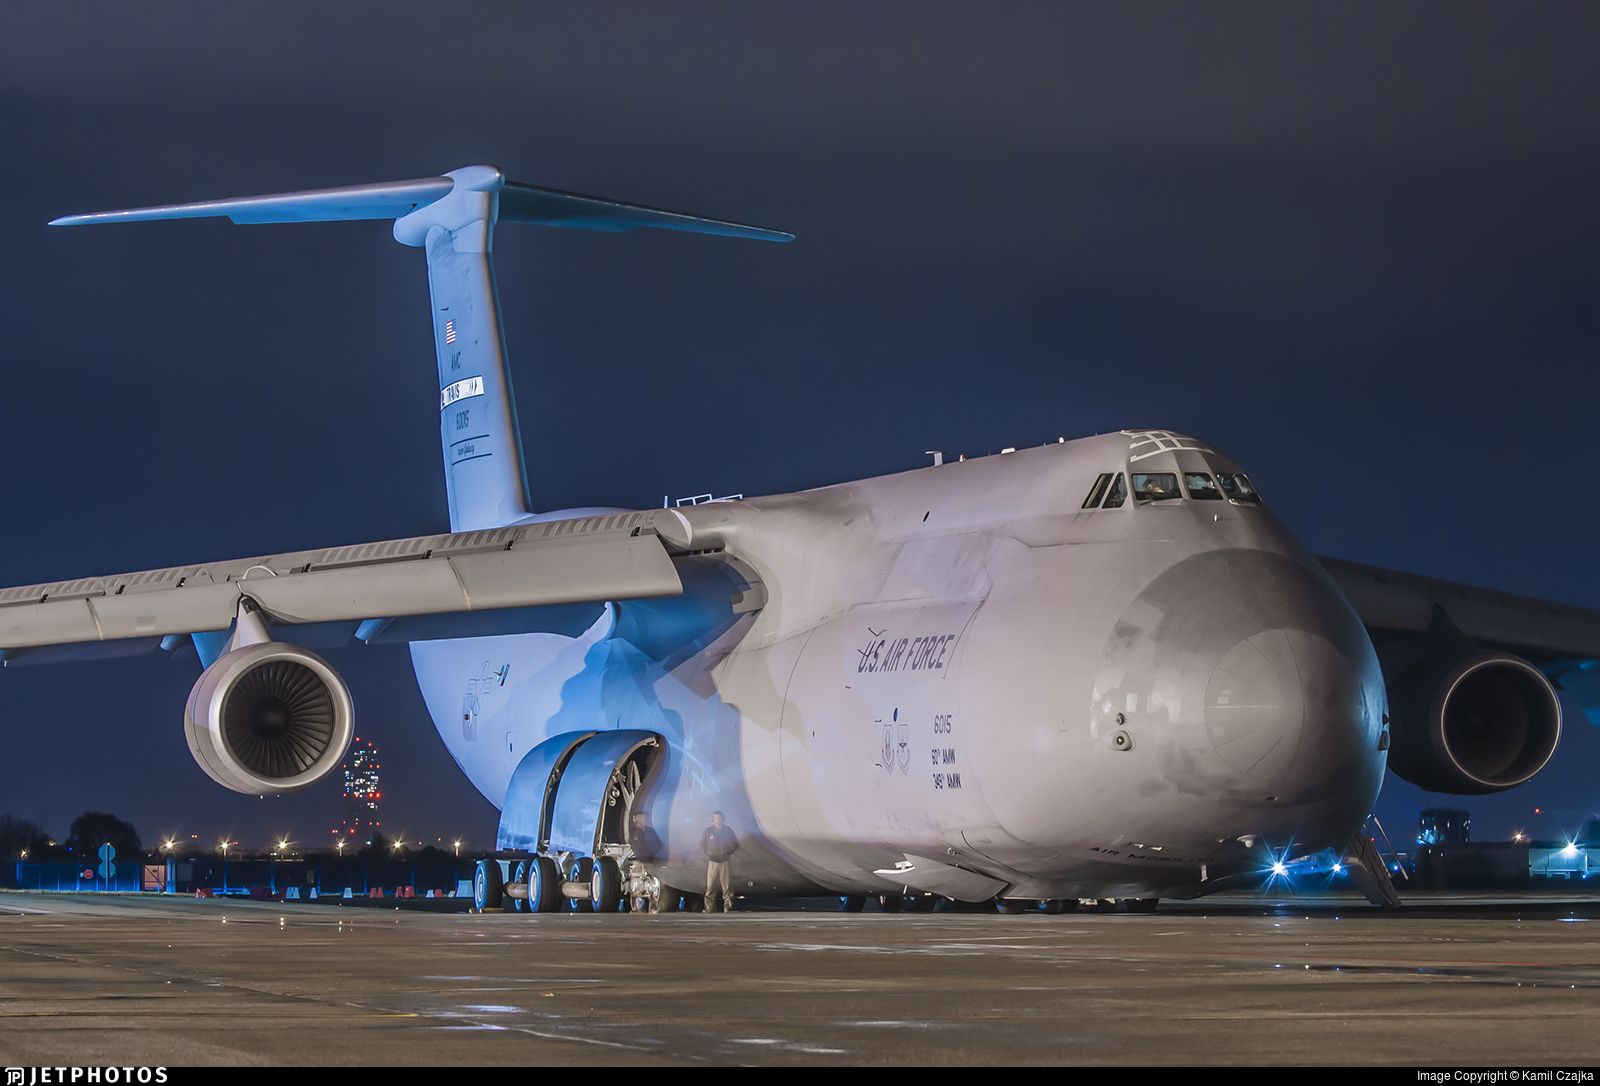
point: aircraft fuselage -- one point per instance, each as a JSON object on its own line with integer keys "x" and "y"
{"x": 962, "y": 663}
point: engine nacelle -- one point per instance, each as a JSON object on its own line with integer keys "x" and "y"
{"x": 1482, "y": 722}
{"x": 269, "y": 718}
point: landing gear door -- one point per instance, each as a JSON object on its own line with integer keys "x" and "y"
{"x": 530, "y": 797}
{"x": 596, "y": 783}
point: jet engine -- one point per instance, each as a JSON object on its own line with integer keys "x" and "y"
{"x": 1473, "y": 723}
{"x": 268, "y": 718}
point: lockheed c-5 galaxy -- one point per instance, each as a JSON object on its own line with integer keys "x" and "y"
{"x": 1095, "y": 670}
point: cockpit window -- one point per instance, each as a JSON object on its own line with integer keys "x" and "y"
{"x": 1119, "y": 492}
{"x": 1236, "y": 485}
{"x": 1156, "y": 486}
{"x": 1097, "y": 491}
{"x": 1201, "y": 486}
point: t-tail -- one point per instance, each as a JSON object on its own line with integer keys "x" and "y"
{"x": 452, "y": 218}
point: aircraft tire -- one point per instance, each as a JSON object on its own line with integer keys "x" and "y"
{"x": 582, "y": 870}
{"x": 692, "y": 903}
{"x": 889, "y": 903}
{"x": 488, "y": 886}
{"x": 544, "y": 885}
{"x": 519, "y": 873}
{"x": 605, "y": 886}
{"x": 852, "y": 903}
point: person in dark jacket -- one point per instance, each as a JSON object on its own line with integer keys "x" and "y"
{"x": 645, "y": 840}
{"x": 719, "y": 843}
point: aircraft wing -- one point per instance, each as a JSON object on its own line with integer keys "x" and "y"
{"x": 1540, "y": 630}
{"x": 361, "y": 589}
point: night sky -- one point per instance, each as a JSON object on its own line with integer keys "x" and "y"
{"x": 1357, "y": 248}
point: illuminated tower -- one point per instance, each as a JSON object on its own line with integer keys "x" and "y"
{"x": 1444, "y": 826}
{"x": 361, "y": 791}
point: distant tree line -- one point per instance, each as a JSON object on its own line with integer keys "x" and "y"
{"x": 88, "y": 832}
{"x": 91, "y": 829}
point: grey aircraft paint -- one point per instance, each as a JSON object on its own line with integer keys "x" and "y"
{"x": 1099, "y": 668}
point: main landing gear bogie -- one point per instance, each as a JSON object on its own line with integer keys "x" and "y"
{"x": 561, "y": 849}
{"x": 580, "y": 884}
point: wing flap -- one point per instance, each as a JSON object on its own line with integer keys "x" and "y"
{"x": 612, "y": 557}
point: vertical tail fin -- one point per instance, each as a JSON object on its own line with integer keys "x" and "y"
{"x": 452, "y": 218}
{"x": 486, "y": 480}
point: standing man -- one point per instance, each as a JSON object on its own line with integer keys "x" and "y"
{"x": 719, "y": 843}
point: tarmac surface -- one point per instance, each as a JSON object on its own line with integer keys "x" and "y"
{"x": 174, "y": 981}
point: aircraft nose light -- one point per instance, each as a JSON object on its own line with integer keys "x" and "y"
{"x": 1254, "y": 706}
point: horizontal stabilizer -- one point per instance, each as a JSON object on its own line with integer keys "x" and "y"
{"x": 384, "y": 200}
{"x": 552, "y": 207}
{"x": 396, "y": 199}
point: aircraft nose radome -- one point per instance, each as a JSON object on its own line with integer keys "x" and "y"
{"x": 1253, "y": 709}
{"x": 1251, "y": 695}
{"x": 1279, "y": 698}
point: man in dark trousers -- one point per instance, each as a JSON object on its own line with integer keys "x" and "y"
{"x": 719, "y": 843}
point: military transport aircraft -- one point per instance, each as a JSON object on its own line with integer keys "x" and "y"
{"x": 1096, "y": 670}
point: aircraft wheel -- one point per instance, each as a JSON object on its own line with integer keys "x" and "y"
{"x": 582, "y": 870}
{"x": 544, "y": 885}
{"x": 1098, "y": 904}
{"x": 488, "y": 886}
{"x": 519, "y": 873}
{"x": 605, "y": 886}
{"x": 1140, "y": 904}
{"x": 692, "y": 903}
{"x": 1055, "y": 906}
{"x": 888, "y": 903}
{"x": 1010, "y": 907}
{"x": 852, "y": 903}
